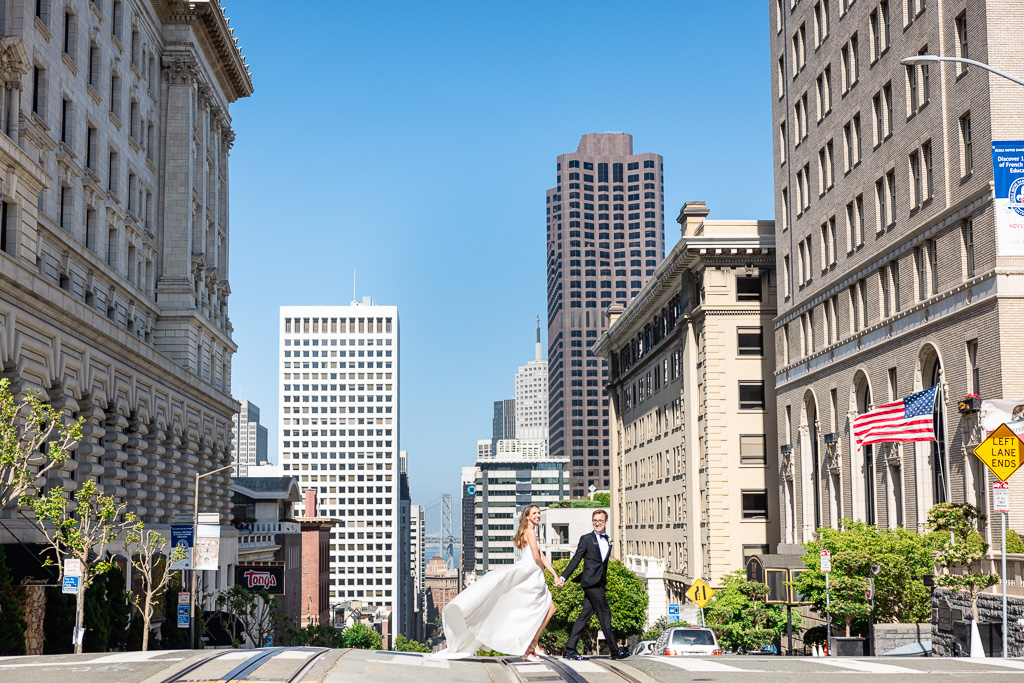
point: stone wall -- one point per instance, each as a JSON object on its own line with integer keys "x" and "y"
{"x": 33, "y": 608}
{"x": 888, "y": 637}
{"x": 949, "y": 608}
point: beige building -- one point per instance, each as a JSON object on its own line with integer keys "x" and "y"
{"x": 891, "y": 277}
{"x": 693, "y": 410}
{"x": 114, "y": 237}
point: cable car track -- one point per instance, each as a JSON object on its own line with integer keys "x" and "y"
{"x": 274, "y": 657}
{"x": 514, "y": 667}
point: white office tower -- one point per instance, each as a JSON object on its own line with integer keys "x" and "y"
{"x": 517, "y": 474}
{"x": 531, "y": 402}
{"x": 339, "y": 435}
{"x": 248, "y": 439}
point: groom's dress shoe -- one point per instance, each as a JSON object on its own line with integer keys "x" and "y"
{"x": 573, "y": 655}
{"x": 621, "y": 654}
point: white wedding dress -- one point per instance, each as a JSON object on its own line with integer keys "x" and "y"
{"x": 501, "y": 611}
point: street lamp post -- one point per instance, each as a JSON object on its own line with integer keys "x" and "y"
{"x": 195, "y": 529}
{"x": 926, "y": 59}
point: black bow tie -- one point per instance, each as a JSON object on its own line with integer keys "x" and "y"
{"x": 604, "y": 536}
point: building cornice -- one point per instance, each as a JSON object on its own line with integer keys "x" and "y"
{"x": 688, "y": 252}
{"x": 211, "y": 25}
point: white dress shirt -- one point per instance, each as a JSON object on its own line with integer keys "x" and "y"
{"x": 602, "y": 544}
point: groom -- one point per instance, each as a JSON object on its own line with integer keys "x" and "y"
{"x": 594, "y": 549}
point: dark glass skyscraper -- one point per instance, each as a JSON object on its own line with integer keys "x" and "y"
{"x": 605, "y": 237}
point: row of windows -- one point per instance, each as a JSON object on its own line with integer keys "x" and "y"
{"x": 337, "y": 325}
{"x": 887, "y": 286}
{"x": 589, "y": 165}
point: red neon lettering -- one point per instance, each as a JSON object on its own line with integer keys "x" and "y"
{"x": 255, "y": 579}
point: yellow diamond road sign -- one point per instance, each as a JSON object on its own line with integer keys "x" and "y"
{"x": 1001, "y": 452}
{"x": 700, "y": 593}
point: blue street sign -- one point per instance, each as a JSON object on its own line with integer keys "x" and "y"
{"x": 71, "y": 584}
{"x": 183, "y": 610}
{"x": 673, "y": 609}
{"x": 183, "y": 620}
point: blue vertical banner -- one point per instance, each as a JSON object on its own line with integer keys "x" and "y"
{"x": 182, "y": 537}
{"x": 1008, "y": 174}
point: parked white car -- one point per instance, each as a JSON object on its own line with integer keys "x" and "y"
{"x": 681, "y": 641}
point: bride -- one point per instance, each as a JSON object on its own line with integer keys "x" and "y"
{"x": 506, "y": 609}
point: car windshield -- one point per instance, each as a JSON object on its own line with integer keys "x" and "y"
{"x": 692, "y": 638}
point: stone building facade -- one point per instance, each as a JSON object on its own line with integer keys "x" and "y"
{"x": 114, "y": 237}
{"x": 693, "y": 410}
{"x": 891, "y": 281}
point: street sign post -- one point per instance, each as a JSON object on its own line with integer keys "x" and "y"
{"x": 1001, "y": 453}
{"x": 71, "y": 584}
{"x": 700, "y": 593}
{"x": 826, "y": 567}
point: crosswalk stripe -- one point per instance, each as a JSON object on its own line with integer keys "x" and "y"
{"x": 700, "y": 664}
{"x": 995, "y": 661}
{"x": 584, "y": 667}
{"x": 860, "y": 665}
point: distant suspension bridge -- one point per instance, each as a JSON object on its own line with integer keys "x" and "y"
{"x": 440, "y": 532}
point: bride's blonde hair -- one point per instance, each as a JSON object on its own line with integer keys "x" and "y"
{"x": 524, "y": 523}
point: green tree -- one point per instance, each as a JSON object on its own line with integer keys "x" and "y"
{"x": 960, "y": 546}
{"x": 58, "y": 622}
{"x": 903, "y": 557}
{"x": 739, "y": 615}
{"x": 12, "y": 625}
{"x": 361, "y": 636}
{"x": 404, "y": 645}
{"x": 313, "y": 635}
{"x": 34, "y": 438}
{"x": 627, "y": 598}
{"x": 258, "y": 612}
{"x": 1013, "y": 542}
{"x": 146, "y": 553}
{"x": 82, "y": 533}
{"x": 96, "y": 618}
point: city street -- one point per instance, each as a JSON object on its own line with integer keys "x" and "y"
{"x": 336, "y": 666}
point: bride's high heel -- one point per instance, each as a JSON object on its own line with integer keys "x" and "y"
{"x": 530, "y": 656}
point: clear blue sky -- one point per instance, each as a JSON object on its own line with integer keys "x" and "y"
{"x": 414, "y": 141}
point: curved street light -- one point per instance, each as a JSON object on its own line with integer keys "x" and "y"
{"x": 195, "y": 527}
{"x": 928, "y": 59}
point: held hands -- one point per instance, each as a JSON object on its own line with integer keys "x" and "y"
{"x": 559, "y": 582}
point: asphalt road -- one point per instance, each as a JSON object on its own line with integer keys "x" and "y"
{"x": 340, "y": 666}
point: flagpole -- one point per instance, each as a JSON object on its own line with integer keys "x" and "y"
{"x": 940, "y": 396}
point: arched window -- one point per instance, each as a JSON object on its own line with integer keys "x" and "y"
{"x": 811, "y": 467}
{"x": 867, "y": 455}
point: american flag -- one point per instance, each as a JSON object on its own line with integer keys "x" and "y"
{"x": 909, "y": 419}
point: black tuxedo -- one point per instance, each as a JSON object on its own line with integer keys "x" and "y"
{"x": 592, "y": 580}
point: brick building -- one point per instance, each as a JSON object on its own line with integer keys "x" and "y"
{"x": 442, "y": 585}
{"x": 891, "y": 280}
